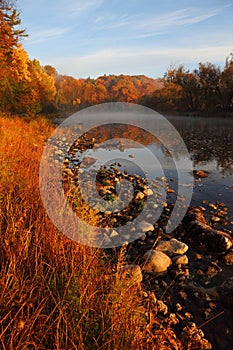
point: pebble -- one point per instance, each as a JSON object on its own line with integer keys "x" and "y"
{"x": 215, "y": 218}
{"x": 139, "y": 195}
{"x": 145, "y": 226}
{"x": 114, "y": 233}
{"x": 148, "y": 192}
{"x": 180, "y": 260}
{"x": 200, "y": 173}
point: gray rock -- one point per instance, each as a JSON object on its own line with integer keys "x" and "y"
{"x": 172, "y": 247}
{"x": 146, "y": 226}
{"x": 114, "y": 233}
{"x": 156, "y": 261}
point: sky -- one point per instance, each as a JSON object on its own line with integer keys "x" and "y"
{"x": 86, "y": 38}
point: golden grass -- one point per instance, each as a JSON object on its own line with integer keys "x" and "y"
{"x": 55, "y": 294}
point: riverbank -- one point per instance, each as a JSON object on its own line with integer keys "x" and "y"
{"x": 198, "y": 114}
{"x": 57, "y": 293}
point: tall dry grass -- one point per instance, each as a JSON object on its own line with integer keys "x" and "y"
{"x": 55, "y": 293}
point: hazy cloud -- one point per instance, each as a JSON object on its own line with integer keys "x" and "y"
{"x": 152, "y": 62}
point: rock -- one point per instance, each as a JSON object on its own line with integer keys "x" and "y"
{"x": 200, "y": 173}
{"x": 148, "y": 192}
{"x": 218, "y": 241}
{"x": 180, "y": 260}
{"x": 156, "y": 261}
{"x": 172, "y": 247}
{"x": 215, "y": 218}
{"x": 132, "y": 273}
{"x": 215, "y": 240}
{"x": 88, "y": 161}
{"x": 146, "y": 226}
{"x": 114, "y": 233}
{"x": 139, "y": 195}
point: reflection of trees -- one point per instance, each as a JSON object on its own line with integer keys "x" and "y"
{"x": 208, "y": 140}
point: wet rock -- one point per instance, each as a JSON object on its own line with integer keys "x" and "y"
{"x": 200, "y": 173}
{"x": 132, "y": 273}
{"x": 215, "y": 240}
{"x": 172, "y": 247}
{"x": 146, "y": 226}
{"x": 156, "y": 261}
{"x": 139, "y": 195}
{"x": 215, "y": 218}
{"x": 148, "y": 192}
{"x": 180, "y": 260}
{"x": 88, "y": 161}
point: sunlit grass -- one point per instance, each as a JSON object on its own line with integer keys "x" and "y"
{"x": 55, "y": 293}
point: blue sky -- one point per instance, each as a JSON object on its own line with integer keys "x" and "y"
{"x": 94, "y": 37}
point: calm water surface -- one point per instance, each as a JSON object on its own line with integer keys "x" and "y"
{"x": 210, "y": 143}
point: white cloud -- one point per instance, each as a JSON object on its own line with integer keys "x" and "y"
{"x": 145, "y": 25}
{"x": 40, "y": 35}
{"x": 78, "y": 7}
{"x": 153, "y": 62}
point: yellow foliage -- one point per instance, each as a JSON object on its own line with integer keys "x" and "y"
{"x": 20, "y": 64}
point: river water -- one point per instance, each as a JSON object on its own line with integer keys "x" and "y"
{"x": 209, "y": 141}
{"x": 210, "y": 144}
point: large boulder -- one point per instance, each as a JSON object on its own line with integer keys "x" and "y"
{"x": 156, "y": 261}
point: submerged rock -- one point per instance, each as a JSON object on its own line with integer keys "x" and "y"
{"x": 200, "y": 173}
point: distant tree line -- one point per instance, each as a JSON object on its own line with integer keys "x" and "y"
{"x": 27, "y": 87}
{"x": 206, "y": 89}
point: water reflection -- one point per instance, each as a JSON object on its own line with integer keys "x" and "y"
{"x": 209, "y": 141}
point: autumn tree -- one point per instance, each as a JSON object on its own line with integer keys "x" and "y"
{"x": 226, "y": 84}
{"x": 208, "y": 76}
{"x": 43, "y": 85}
